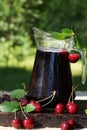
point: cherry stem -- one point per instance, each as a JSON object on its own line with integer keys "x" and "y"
{"x": 23, "y": 112}
{"x": 15, "y": 114}
{"x": 53, "y": 95}
{"x": 71, "y": 95}
{"x": 24, "y": 87}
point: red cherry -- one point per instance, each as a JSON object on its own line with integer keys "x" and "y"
{"x": 37, "y": 105}
{"x": 68, "y": 104}
{"x": 32, "y": 101}
{"x": 6, "y": 96}
{"x": 63, "y": 50}
{"x": 65, "y": 125}
{"x": 59, "y": 109}
{"x": 73, "y": 57}
{"x": 28, "y": 123}
{"x": 72, "y": 123}
{"x": 73, "y": 108}
{"x": 64, "y": 53}
{"x": 23, "y": 102}
{"x": 16, "y": 123}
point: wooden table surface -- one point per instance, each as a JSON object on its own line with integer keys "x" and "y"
{"x": 80, "y": 96}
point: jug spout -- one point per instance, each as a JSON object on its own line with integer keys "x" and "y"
{"x": 41, "y": 38}
{"x": 38, "y": 32}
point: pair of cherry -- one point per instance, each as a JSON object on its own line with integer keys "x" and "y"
{"x": 68, "y": 125}
{"x": 71, "y": 107}
{"x": 27, "y": 123}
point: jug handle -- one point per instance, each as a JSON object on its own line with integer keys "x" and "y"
{"x": 83, "y": 57}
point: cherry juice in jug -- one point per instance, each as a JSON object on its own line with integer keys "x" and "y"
{"x": 51, "y": 72}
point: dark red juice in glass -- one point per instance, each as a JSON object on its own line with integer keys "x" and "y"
{"x": 51, "y": 72}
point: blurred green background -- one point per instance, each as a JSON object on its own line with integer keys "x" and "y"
{"x": 17, "y": 44}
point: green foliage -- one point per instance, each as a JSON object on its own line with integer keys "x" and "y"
{"x": 29, "y": 108}
{"x": 18, "y": 93}
{"x": 9, "y": 106}
{"x": 17, "y": 17}
{"x": 10, "y": 52}
{"x": 64, "y": 34}
{"x": 14, "y": 106}
{"x": 62, "y": 14}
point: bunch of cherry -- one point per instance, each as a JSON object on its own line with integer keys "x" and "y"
{"x": 28, "y": 123}
{"x": 71, "y": 108}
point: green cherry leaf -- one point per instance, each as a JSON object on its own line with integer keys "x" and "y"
{"x": 57, "y": 35}
{"x": 64, "y": 34}
{"x": 18, "y": 93}
{"x": 29, "y": 108}
{"x": 9, "y": 106}
{"x": 67, "y": 31}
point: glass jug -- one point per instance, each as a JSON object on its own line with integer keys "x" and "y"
{"x": 51, "y": 69}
